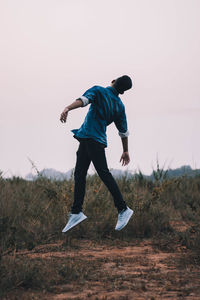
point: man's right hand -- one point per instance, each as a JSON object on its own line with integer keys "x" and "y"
{"x": 125, "y": 158}
{"x": 63, "y": 116}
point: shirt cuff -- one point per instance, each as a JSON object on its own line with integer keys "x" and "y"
{"x": 84, "y": 100}
{"x": 124, "y": 134}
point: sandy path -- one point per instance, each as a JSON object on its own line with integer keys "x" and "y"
{"x": 136, "y": 271}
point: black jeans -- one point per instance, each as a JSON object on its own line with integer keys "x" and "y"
{"x": 90, "y": 150}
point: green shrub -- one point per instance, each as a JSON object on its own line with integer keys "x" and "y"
{"x": 34, "y": 212}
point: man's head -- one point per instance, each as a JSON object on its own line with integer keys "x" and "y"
{"x": 122, "y": 84}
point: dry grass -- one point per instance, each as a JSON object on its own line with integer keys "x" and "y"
{"x": 82, "y": 270}
{"x": 167, "y": 211}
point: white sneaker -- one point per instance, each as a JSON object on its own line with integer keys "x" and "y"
{"x": 74, "y": 219}
{"x": 123, "y": 218}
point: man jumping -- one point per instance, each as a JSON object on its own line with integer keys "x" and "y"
{"x": 106, "y": 107}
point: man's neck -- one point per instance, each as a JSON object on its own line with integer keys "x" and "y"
{"x": 112, "y": 86}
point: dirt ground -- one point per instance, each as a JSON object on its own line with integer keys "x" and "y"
{"x": 136, "y": 270}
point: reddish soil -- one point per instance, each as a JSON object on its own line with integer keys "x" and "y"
{"x": 124, "y": 271}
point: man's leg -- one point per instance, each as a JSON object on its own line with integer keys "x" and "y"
{"x": 82, "y": 165}
{"x": 97, "y": 155}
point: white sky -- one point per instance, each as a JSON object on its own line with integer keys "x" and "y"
{"x": 51, "y": 51}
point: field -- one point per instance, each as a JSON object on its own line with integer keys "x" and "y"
{"x": 156, "y": 256}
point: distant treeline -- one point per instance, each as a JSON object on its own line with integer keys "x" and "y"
{"x": 182, "y": 171}
{"x": 159, "y": 173}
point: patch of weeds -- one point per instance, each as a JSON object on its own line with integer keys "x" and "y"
{"x": 187, "y": 260}
{"x": 22, "y": 272}
{"x": 34, "y": 212}
{"x": 166, "y": 242}
{"x": 44, "y": 273}
{"x": 191, "y": 238}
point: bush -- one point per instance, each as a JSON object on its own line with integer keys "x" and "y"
{"x": 35, "y": 212}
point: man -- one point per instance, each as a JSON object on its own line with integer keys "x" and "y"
{"x": 105, "y": 107}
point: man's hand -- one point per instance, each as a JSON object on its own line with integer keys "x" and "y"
{"x": 74, "y": 105}
{"x": 125, "y": 158}
{"x": 63, "y": 116}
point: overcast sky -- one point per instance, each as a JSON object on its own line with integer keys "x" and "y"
{"x": 51, "y": 51}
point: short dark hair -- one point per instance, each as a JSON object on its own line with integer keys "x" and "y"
{"x": 123, "y": 84}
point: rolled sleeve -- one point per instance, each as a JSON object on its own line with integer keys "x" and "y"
{"x": 124, "y": 134}
{"x": 84, "y": 100}
{"x": 121, "y": 124}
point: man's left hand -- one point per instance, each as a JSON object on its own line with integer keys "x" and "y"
{"x": 125, "y": 159}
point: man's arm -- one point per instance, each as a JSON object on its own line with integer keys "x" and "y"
{"x": 88, "y": 97}
{"x": 74, "y": 105}
{"x": 125, "y": 155}
{"x": 121, "y": 125}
